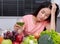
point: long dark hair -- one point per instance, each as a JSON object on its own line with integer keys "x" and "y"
{"x": 46, "y": 4}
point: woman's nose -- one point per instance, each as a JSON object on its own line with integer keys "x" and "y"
{"x": 43, "y": 15}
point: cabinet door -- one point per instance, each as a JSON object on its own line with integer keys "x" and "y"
{"x": 9, "y": 7}
{"x": 0, "y": 7}
{"x": 18, "y": 7}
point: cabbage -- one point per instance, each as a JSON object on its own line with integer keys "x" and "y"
{"x": 54, "y": 36}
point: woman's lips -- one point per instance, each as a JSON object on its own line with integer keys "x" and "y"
{"x": 41, "y": 19}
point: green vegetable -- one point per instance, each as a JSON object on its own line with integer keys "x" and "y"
{"x": 53, "y": 34}
{"x": 45, "y": 39}
{"x": 30, "y": 40}
{"x": 6, "y": 41}
{"x": 20, "y": 23}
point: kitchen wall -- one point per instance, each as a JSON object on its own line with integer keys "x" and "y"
{"x": 58, "y": 24}
{"x": 8, "y": 23}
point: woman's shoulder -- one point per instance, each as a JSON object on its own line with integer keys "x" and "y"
{"x": 27, "y": 18}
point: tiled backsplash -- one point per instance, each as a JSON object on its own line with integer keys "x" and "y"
{"x": 8, "y": 22}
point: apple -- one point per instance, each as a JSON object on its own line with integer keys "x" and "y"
{"x": 6, "y": 41}
{"x": 19, "y": 37}
{"x": 15, "y": 42}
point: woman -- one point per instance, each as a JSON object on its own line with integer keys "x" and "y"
{"x": 43, "y": 18}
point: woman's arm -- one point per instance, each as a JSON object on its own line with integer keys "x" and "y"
{"x": 53, "y": 16}
{"x": 52, "y": 24}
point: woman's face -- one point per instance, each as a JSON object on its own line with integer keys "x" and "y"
{"x": 43, "y": 14}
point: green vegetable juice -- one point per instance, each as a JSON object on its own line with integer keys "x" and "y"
{"x": 20, "y": 23}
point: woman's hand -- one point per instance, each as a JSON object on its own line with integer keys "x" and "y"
{"x": 17, "y": 27}
{"x": 53, "y": 9}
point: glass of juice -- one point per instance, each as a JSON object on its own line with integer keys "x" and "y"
{"x": 20, "y": 23}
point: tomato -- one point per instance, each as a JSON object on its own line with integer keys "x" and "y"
{"x": 1, "y": 39}
{"x": 36, "y": 35}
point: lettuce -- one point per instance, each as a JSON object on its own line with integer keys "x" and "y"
{"x": 53, "y": 34}
{"x": 30, "y": 40}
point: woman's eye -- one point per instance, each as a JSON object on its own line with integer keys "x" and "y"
{"x": 42, "y": 12}
{"x": 46, "y": 15}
